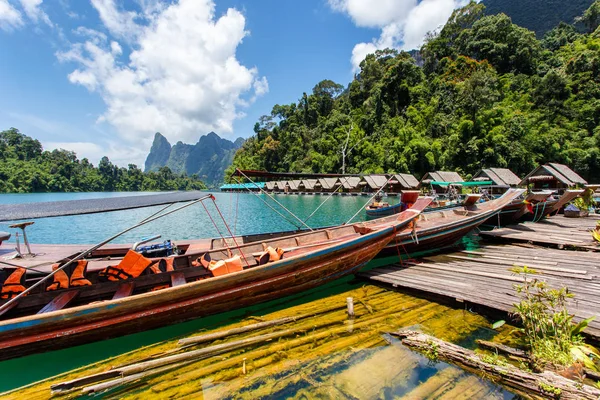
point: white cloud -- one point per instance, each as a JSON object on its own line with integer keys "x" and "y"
{"x": 403, "y": 23}
{"x": 10, "y": 17}
{"x": 181, "y": 76}
{"x": 119, "y": 23}
{"x": 34, "y": 11}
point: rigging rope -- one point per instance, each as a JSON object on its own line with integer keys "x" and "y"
{"x": 270, "y": 206}
{"x": 324, "y": 201}
{"x": 272, "y": 198}
{"x": 376, "y": 193}
{"x": 230, "y": 234}
{"x": 217, "y": 228}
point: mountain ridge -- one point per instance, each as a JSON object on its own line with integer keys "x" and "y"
{"x": 207, "y": 158}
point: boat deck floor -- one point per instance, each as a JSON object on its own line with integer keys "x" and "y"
{"x": 483, "y": 278}
{"x": 557, "y": 231}
{"x": 47, "y": 254}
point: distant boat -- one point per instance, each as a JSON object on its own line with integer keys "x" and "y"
{"x": 379, "y": 209}
{"x": 188, "y": 286}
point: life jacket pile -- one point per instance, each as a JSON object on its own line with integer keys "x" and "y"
{"x": 77, "y": 276}
{"x": 131, "y": 266}
{"x": 221, "y": 267}
{"x": 13, "y": 282}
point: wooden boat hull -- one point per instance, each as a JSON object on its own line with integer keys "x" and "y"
{"x": 112, "y": 318}
{"x": 438, "y": 236}
{"x": 517, "y": 211}
{"x": 384, "y": 211}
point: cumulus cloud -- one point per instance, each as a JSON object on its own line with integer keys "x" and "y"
{"x": 178, "y": 73}
{"x": 10, "y": 17}
{"x": 34, "y": 11}
{"x": 403, "y": 23}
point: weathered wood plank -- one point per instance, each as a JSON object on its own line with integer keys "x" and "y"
{"x": 59, "y": 302}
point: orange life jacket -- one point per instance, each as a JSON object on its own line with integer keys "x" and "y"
{"x": 224, "y": 267}
{"x": 132, "y": 266}
{"x": 61, "y": 279}
{"x": 270, "y": 254}
{"x": 163, "y": 265}
{"x": 78, "y": 274}
{"x": 14, "y": 284}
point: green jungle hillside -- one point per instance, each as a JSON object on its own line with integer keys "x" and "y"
{"x": 539, "y": 16}
{"x": 490, "y": 94}
{"x": 26, "y": 167}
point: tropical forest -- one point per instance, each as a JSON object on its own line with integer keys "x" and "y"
{"x": 26, "y": 167}
{"x": 484, "y": 92}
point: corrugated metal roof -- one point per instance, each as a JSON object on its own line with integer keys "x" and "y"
{"x": 375, "y": 181}
{"x": 294, "y": 184}
{"x": 328, "y": 183}
{"x": 560, "y": 172}
{"x": 407, "y": 181}
{"x": 568, "y": 173}
{"x": 500, "y": 176}
{"x": 442, "y": 176}
{"x": 309, "y": 184}
{"x": 350, "y": 182}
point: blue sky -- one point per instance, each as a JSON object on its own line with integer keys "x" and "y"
{"x": 101, "y": 76}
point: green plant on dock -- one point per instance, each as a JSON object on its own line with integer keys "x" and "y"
{"x": 548, "y": 329}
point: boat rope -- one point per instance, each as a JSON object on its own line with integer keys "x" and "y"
{"x": 158, "y": 212}
{"x": 237, "y": 203}
{"x": 541, "y": 214}
{"x": 218, "y": 230}
{"x": 270, "y": 206}
{"x": 275, "y": 200}
{"x": 231, "y": 234}
{"x": 4, "y": 307}
{"x": 368, "y": 201}
{"x": 328, "y": 197}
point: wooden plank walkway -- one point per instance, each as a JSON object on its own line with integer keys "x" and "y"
{"x": 556, "y": 231}
{"x": 482, "y": 277}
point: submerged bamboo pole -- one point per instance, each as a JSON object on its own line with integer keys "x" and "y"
{"x": 545, "y": 384}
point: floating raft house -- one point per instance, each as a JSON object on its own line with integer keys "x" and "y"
{"x": 553, "y": 176}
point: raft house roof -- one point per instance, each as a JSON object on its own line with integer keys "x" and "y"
{"x": 500, "y": 176}
{"x": 294, "y": 184}
{"x": 328, "y": 183}
{"x": 406, "y": 181}
{"x": 309, "y": 184}
{"x": 441, "y": 176}
{"x": 350, "y": 182}
{"x": 281, "y": 185}
{"x": 375, "y": 181}
{"x": 270, "y": 185}
{"x": 554, "y": 171}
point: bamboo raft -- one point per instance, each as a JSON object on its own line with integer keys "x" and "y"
{"x": 557, "y": 231}
{"x": 311, "y": 350}
{"x": 482, "y": 277}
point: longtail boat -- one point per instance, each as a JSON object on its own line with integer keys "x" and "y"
{"x": 188, "y": 286}
{"x": 534, "y": 207}
{"x": 435, "y": 230}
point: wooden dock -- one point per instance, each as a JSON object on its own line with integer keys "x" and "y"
{"x": 556, "y": 231}
{"x": 482, "y": 277}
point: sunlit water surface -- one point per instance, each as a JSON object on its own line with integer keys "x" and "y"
{"x": 244, "y": 213}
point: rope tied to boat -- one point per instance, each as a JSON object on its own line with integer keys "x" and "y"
{"x": 272, "y": 198}
{"x": 328, "y": 197}
{"x": 229, "y": 230}
{"x": 372, "y": 197}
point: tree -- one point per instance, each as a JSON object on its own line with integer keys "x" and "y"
{"x": 591, "y": 17}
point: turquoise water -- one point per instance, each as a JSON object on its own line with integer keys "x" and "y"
{"x": 245, "y": 213}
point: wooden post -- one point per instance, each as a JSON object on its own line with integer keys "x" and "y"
{"x": 350, "y": 303}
